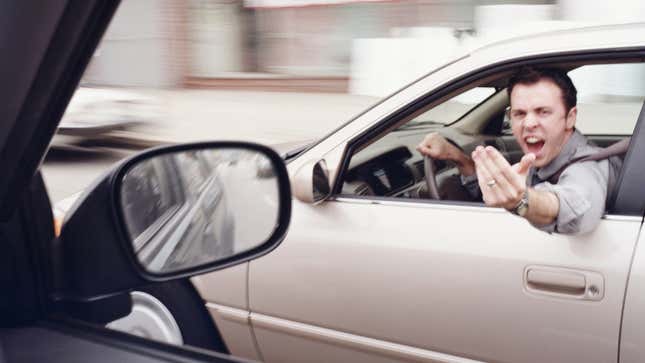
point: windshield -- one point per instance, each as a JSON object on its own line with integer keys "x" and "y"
{"x": 451, "y": 110}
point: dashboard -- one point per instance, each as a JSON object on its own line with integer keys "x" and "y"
{"x": 385, "y": 174}
{"x": 391, "y": 167}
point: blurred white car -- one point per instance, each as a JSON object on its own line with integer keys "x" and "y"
{"x": 96, "y": 113}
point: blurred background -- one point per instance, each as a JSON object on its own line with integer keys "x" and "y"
{"x": 279, "y": 71}
{"x": 363, "y": 47}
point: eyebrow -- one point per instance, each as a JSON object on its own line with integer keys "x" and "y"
{"x": 533, "y": 108}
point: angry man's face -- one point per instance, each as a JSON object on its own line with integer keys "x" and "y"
{"x": 540, "y": 121}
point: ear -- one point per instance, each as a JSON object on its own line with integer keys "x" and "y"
{"x": 571, "y": 118}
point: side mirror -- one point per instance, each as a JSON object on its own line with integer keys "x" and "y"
{"x": 173, "y": 212}
{"x": 311, "y": 182}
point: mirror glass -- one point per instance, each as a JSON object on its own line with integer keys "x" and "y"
{"x": 188, "y": 208}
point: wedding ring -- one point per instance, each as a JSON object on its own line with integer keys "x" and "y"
{"x": 491, "y": 183}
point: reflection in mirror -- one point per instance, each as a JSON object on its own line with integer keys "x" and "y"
{"x": 192, "y": 207}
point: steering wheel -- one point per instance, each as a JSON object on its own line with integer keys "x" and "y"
{"x": 431, "y": 178}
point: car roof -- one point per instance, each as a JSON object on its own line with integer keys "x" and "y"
{"x": 567, "y": 40}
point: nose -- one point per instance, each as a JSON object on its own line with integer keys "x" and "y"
{"x": 531, "y": 121}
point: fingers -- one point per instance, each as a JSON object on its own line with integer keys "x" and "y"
{"x": 523, "y": 166}
{"x": 508, "y": 185}
{"x": 490, "y": 193}
{"x": 426, "y": 150}
{"x": 486, "y": 160}
{"x": 423, "y": 149}
{"x": 425, "y": 146}
{"x": 433, "y": 145}
{"x": 516, "y": 180}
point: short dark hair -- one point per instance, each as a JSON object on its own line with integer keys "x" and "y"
{"x": 532, "y": 75}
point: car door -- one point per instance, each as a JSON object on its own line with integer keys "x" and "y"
{"x": 373, "y": 279}
{"x": 46, "y": 48}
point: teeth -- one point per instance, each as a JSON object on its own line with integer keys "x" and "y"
{"x": 532, "y": 140}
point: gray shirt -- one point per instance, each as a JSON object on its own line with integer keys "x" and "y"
{"x": 581, "y": 188}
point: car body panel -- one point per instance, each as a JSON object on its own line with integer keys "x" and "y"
{"x": 234, "y": 325}
{"x": 302, "y": 339}
{"x": 632, "y": 349}
{"x": 442, "y": 291}
{"x": 225, "y": 294}
{"x": 226, "y": 287}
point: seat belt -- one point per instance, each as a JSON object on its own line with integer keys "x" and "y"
{"x": 616, "y": 149}
{"x": 611, "y": 153}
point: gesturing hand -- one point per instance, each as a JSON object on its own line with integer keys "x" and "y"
{"x": 501, "y": 183}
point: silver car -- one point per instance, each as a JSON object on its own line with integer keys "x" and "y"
{"x": 379, "y": 272}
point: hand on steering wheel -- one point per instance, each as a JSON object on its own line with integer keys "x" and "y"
{"x": 436, "y": 147}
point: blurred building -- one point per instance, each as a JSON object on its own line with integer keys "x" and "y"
{"x": 362, "y": 46}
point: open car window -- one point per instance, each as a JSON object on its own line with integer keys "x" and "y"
{"x": 610, "y": 98}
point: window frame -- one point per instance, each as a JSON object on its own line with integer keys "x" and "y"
{"x": 629, "y": 197}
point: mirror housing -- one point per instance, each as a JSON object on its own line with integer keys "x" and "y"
{"x": 311, "y": 182}
{"x": 94, "y": 257}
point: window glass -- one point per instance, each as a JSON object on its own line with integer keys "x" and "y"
{"x": 454, "y": 108}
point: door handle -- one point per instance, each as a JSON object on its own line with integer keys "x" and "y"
{"x": 564, "y": 282}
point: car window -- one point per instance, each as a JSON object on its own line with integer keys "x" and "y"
{"x": 451, "y": 110}
{"x": 610, "y": 98}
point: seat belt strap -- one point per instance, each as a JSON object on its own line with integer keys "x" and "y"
{"x": 615, "y": 149}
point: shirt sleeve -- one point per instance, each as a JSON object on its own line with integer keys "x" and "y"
{"x": 581, "y": 192}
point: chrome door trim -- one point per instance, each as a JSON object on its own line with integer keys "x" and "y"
{"x": 361, "y": 343}
{"x": 622, "y": 218}
{"x": 231, "y": 314}
{"x": 417, "y": 203}
{"x": 449, "y": 206}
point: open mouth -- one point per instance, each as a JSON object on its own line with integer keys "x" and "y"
{"x": 534, "y": 144}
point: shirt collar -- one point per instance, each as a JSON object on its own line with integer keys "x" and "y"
{"x": 567, "y": 153}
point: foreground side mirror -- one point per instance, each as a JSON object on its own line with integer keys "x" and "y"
{"x": 173, "y": 212}
{"x": 311, "y": 182}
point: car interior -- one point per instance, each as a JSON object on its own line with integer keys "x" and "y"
{"x": 389, "y": 165}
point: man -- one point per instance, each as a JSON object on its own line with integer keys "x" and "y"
{"x": 542, "y": 116}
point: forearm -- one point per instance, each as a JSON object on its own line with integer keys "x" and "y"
{"x": 543, "y": 208}
{"x": 465, "y": 164}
